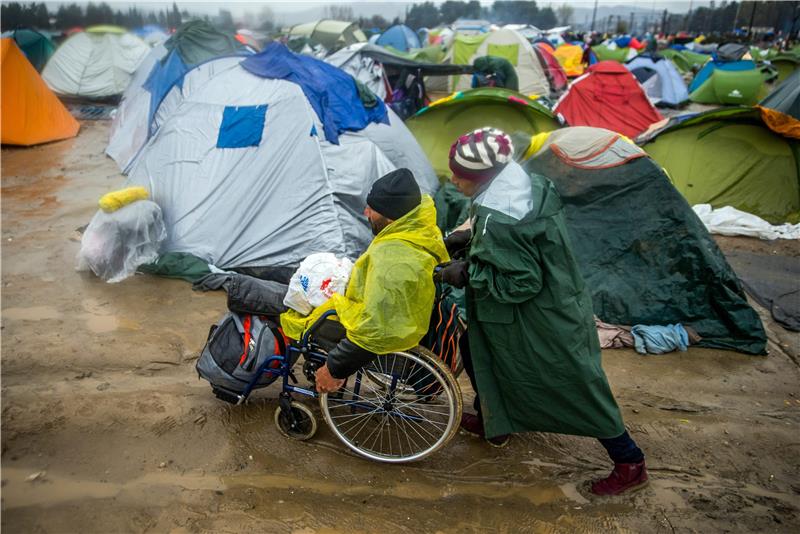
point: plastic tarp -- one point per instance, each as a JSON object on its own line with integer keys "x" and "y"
{"x": 729, "y": 157}
{"x": 730, "y": 221}
{"x": 363, "y": 68}
{"x": 331, "y": 92}
{"x": 772, "y": 281}
{"x": 95, "y": 65}
{"x": 400, "y": 37}
{"x": 608, "y": 96}
{"x": 646, "y": 256}
{"x": 31, "y": 113}
{"x": 670, "y": 87}
{"x": 437, "y": 126}
{"x": 115, "y": 244}
{"x": 273, "y": 204}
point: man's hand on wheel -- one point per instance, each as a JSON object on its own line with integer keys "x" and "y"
{"x": 325, "y": 382}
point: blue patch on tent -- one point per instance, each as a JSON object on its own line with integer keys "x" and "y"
{"x": 241, "y": 126}
{"x": 313, "y": 130}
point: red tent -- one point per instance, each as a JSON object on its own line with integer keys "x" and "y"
{"x": 608, "y": 96}
{"x": 558, "y": 77}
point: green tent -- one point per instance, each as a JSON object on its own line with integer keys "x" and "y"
{"x": 429, "y": 54}
{"x": 604, "y": 53}
{"x": 645, "y": 255}
{"x": 785, "y": 64}
{"x": 437, "y": 126}
{"x": 197, "y": 41}
{"x": 729, "y": 157}
{"x": 685, "y": 60}
{"x": 36, "y": 46}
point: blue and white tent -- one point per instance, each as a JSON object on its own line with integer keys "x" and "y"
{"x": 661, "y": 81}
{"x": 262, "y": 160}
{"x": 399, "y": 37}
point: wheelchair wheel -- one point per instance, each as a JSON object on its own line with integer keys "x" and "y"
{"x": 401, "y": 407}
{"x": 301, "y": 425}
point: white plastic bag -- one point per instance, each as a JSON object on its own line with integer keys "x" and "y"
{"x": 730, "y": 221}
{"x": 317, "y": 278}
{"x": 115, "y": 244}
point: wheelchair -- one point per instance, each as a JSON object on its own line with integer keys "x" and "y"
{"x": 401, "y": 407}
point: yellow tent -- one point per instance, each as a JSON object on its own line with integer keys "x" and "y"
{"x": 29, "y": 112}
{"x": 571, "y": 59}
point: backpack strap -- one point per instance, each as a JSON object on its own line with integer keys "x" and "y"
{"x": 247, "y": 323}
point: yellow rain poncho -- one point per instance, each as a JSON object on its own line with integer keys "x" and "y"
{"x": 389, "y": 298}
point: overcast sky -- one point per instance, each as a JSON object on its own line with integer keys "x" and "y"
{"x": 303, "y": 10}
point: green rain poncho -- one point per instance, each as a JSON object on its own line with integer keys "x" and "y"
{"x": 389, "y": 298}
{"x": 532, "y": 336}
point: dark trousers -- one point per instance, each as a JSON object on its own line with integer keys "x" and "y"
{"x": 621, "y": 449}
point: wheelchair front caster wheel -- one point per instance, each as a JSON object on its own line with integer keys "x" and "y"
{"x": 300, "y": 424}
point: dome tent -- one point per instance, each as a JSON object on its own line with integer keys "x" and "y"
{"x": 660, "y": 79}
{"x": 643, "y": 252}
{"x": 730, "y": 157}
{"x": 195, "y": 42}
{"x": 36, "y": 46}
{"x": 570, "y": 57}
{"x": 330, "y": 34}
{"x": 31, "y": 113}
{"x": 607, "y": 96}
{"x": 728, "y": 82}
{"x": 399, "y": 37}
{"x": 440, "y": 124}
{"x": 510, "y": 45}
{"x": 246, "y": 166}
{"x": 97, "y": 63}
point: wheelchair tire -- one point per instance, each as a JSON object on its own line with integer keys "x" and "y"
{"x": 305, "y": 424}
{"x": 401, "y": 407}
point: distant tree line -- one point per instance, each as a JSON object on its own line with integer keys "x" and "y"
{"x": 428, "y": 14}
{"x": 36, "y": 15}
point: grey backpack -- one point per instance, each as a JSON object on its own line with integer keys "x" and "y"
{"x": 237, "y": 347}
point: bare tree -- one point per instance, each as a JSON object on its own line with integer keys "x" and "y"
{"x": 564, "y": 13}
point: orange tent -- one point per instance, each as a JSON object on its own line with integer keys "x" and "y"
{"x": 29, "y": 112}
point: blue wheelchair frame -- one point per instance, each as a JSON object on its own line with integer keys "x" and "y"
{"x": 287, "y": 361}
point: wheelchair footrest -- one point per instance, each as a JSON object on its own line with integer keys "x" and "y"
{"x": 228, "y": 396}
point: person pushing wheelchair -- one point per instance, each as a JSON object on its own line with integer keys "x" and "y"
{"x": 531, "y": 348}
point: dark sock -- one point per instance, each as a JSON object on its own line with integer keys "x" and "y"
{"x": 622, "y": 449}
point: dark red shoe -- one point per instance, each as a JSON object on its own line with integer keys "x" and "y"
{"x": 473, "y": 424}
{"x": 624, "y": 477}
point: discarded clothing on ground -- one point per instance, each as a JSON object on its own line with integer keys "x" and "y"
{"x": 773, "y": 282}
{"x": 660, "y": 339}
{"x": 246, "y": 294}
{"x": 613, "y": 336}
{"x": 115, "y": 244}
{"x": 730, "y": 221}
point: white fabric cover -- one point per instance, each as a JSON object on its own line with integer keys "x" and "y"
{"x": 730, "y": 221}
{"x": 94, "y": 65}
{"x": 129, "y": 127}
{"x": 268, "y": 205}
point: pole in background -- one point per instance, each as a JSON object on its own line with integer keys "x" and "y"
{"x": 594, "y": 14}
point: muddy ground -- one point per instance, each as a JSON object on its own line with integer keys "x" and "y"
{"x": 106, "y": 428}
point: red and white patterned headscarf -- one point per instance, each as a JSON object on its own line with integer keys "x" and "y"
{"x": 480, "y": 155}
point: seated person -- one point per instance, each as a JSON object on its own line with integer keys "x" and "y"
{"x": 389, "y": 298}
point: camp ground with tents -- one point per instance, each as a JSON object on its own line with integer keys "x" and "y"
{"x": 157, "y": 175}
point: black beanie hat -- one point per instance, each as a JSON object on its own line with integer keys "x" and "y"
{"x": 394, "y": 194}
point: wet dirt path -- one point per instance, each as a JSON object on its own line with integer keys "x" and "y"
{"x": 105, "y": 426}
